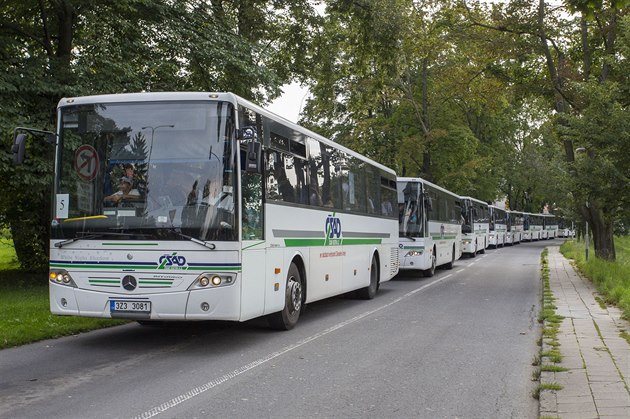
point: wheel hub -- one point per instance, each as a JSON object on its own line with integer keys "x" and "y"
{"x": 295, "y": 290}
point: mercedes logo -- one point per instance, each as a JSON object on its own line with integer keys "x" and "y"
{"x": 129, "y": 283}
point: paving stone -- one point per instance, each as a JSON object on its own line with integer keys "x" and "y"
{"x": 620, "y": 411}
{"x": 597, "y": 357}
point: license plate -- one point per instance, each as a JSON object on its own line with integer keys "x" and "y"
{"x": 129, "y": 306}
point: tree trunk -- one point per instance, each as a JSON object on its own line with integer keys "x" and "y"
{"x": 602, "y": 232}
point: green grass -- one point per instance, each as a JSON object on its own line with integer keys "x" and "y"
{"x": 8, "y": 259}
{"x": 553, "y": 368}
{"x": 24, "y": 309}
{"x": 612, "y": 279}
{"x": 547, "y": 386}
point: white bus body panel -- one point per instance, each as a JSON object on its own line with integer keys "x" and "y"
{"x": 98, "y": 269}
{"x": 415, "y": 255}
{"x": 497, "y": 237}
{"x": 477, "y": 240}
{"x": 445, "y": 239}
{"x": 332, "y": 266}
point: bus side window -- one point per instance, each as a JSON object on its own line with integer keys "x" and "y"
{"x": 252, "y": 208}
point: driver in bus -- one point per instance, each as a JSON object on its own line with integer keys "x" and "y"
{"x": 125, "y": 193}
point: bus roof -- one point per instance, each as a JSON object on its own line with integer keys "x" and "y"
{"x": 474, "y": 199}
{"x": 204, "y": 96}
{"x": 426, "y": 182}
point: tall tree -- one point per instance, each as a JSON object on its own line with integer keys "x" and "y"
{"x": 51, "y": 49}
{"x": 413, "y": 85}
{"x": 579, "y": 48}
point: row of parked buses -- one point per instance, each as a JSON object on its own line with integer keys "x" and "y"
{"x": 436, "y": 226}
{"x": 231, "y": 213}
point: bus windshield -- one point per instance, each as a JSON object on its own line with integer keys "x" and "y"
{"x": 159, "y": 170}
{"x": 467, "y": 216}
{"x": 410, "y": 209}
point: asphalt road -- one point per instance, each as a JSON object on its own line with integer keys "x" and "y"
{"x": 458, "y": 345}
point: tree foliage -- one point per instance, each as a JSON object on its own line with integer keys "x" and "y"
{"x": 489, "y": 99}
{"x": 55, "y": 49}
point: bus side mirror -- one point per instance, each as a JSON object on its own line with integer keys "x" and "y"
{"x": 428, "y": 202}
{"x": 18, "y": 149}
{"x": 248, "y": 134}
{"x": 253, "y": 158}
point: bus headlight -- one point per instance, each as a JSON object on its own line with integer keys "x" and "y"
{"x": 414, "y": 253}
{"x": 61, "y": 277}
{"x": 212, "y": 280}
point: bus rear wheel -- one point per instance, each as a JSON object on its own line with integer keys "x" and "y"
{"x": 294, "y": 291}
{"x": 369, "y": 292}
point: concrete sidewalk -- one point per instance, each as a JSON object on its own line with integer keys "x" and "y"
{"x": 596, "y": 384}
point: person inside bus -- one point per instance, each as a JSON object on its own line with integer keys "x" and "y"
{"x": 135, "y": 182}
{"x": 124, "y": 194}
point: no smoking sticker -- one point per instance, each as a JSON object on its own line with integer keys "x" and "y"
{"x": 86, "y": 162}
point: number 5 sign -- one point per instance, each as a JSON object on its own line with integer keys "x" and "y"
{"x": 86, "y": 162}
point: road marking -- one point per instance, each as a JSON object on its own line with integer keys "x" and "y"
{"x": 461, "y": 270}
{"x": 214, "y": 383}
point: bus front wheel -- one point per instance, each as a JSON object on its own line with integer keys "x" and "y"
{"x": 369, "y": 292}
{"x": 450, "y": 264}
{"x": 288, "y": 317}
{"x": 431, "y": 271}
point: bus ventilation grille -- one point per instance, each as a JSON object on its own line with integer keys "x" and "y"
{"x": 393, "y": 263}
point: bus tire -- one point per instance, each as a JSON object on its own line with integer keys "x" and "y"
{"x": 452, "y": 262}
{"x": 369, "y": 292}
{"x": 428, "y": 273}
{"x": 474, "y": 252}
{"x": 293, "y": 302}
{"x": 482, "y": 251}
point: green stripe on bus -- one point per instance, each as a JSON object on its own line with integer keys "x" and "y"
{"x": 66, "y": 265}
{"x": 322, "y": 242}
{"x": 360, "y": 241}
{"x": 443, "y": 237}
{"x": 103, "y": 281}
{"x": 252, "y": 245}
{"x": 144, "y": 267}
{"x": 129, "y": 244}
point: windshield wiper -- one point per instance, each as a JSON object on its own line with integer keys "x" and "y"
{"x": 210, "y": 246}
{"x": 85, "y": 237}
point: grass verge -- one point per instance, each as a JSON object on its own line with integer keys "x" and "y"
{"x": 551, "y": 326}
{"x": 612, "y": 279}
{"x": 24, "y": 308}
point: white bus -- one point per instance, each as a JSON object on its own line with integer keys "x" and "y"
{"x": 233, "y": 212}
{"x": 429, "y": 226}
{"x": 498, "y": 226}
{"x": 565, "y": 228}
{"x": 514, "y": 227}
{"x": 532, "y": 227}
{"x": 551, "y": 226}
{"x": 475, "y": 226}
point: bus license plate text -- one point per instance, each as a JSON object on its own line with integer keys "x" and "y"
{"x": 130, "y": 306}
